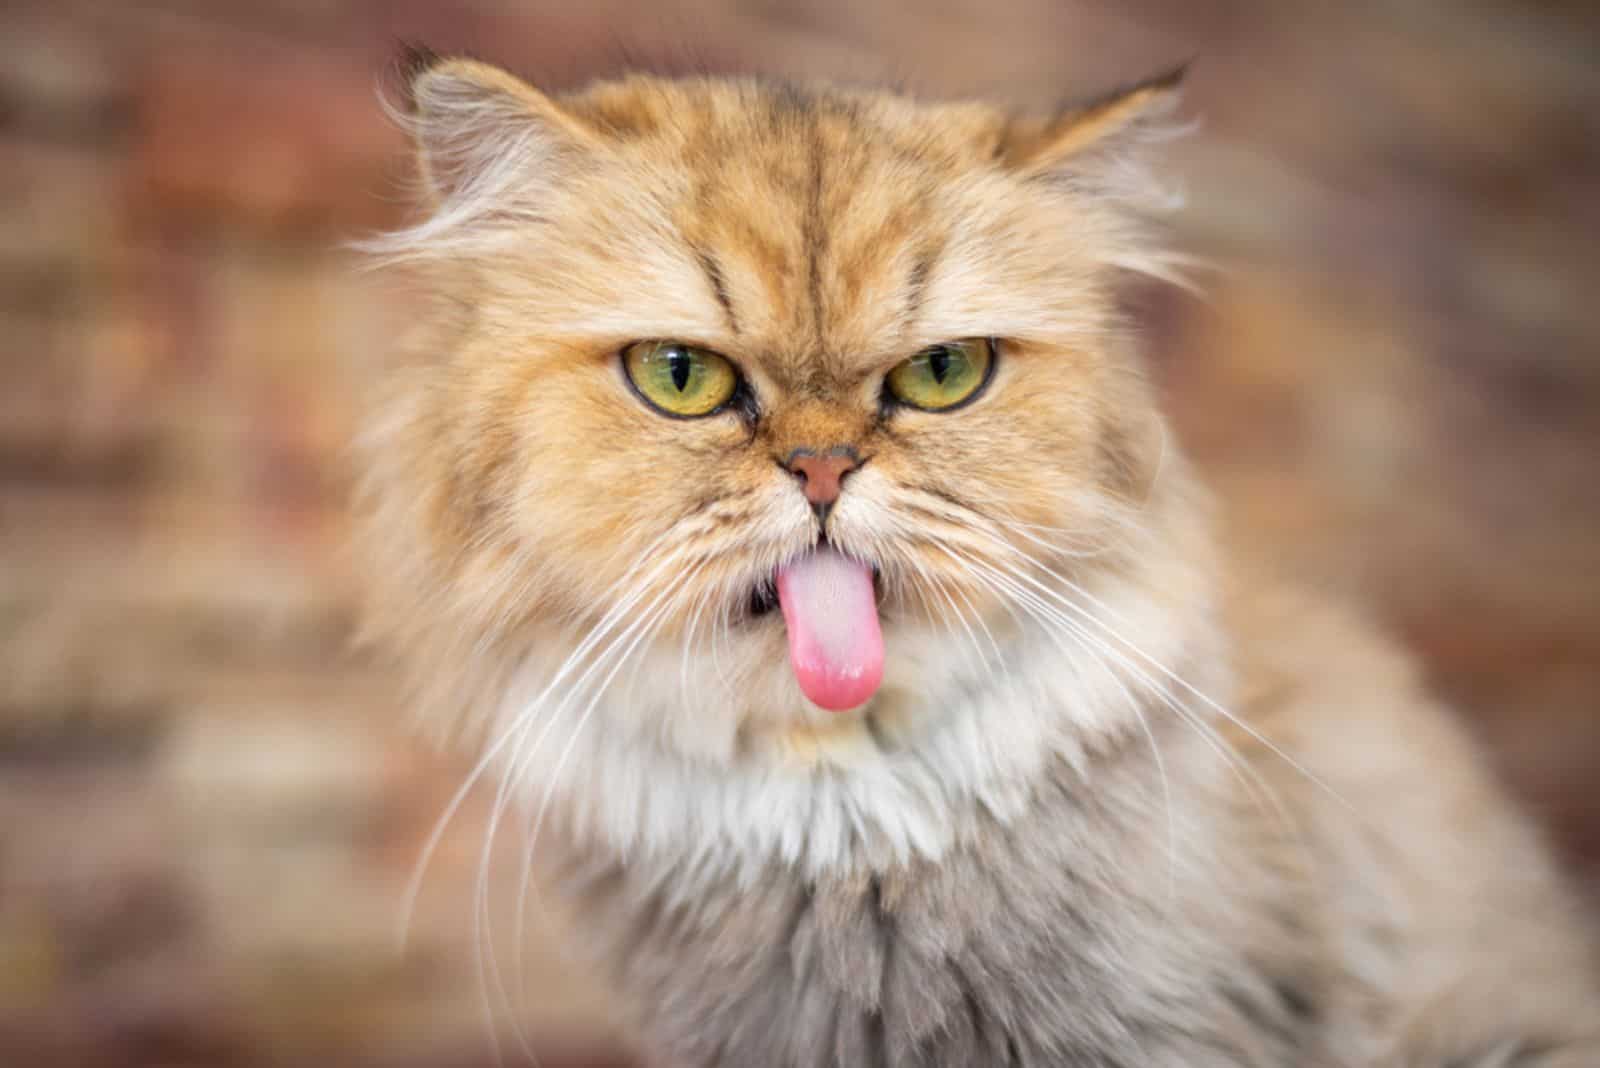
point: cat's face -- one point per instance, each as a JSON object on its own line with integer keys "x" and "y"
{"x": 801, "y": 391}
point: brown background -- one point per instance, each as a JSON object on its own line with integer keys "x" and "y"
{"x": 207, "y": 812}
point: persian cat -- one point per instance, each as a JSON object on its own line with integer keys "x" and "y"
{"x": 772, "y": 498}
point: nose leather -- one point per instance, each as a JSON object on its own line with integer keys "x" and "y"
{"x": 822, "y": 474}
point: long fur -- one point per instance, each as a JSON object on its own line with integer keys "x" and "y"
{"x": 1118, "y": 800}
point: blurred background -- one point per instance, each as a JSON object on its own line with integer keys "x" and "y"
{"x": 209, "y": 811}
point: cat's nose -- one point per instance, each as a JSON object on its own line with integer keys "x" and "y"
{"x": 822, "y": 474}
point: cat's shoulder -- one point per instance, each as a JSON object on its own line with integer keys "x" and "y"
{"x": 1322, "y": 674}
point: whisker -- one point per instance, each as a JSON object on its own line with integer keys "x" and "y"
{"x": 489, "y": 970}
{"x": 1144, "y": 725}
{"x": 997, "y": 513}
{"x": 1214, "y": 740}
{"x": 486, "y": 760}
{"x": 645, "y": 626}
{"x": 932, "y": 581}
{"x": 974, "y": 525}
{"x": 516, "y": 732}
{"x": 517, "y": 766}
{"x": 657, "y": 611}
{"x": 999, "y": 657}
{"x": 1199, "y": 695}
{"x": 688, "y": 640}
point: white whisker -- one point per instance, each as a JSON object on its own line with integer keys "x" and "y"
{"x": 1090, "y": 617}
{"x": 648, "y": 625}
{"x": 489, "y": 970}
{"x": 492, "y": 752}
{"x": 517, "y": 767}
{"x": 1217, "y": 743}
{"x": 1138, "y": 711}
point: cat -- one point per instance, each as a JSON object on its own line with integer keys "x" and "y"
{"x": 772, "y": 498}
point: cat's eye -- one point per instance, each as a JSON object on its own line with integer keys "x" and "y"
{"x": 942, "y": 376}
{"x": 679, "y": 379}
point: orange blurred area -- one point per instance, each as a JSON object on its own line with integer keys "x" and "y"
{"x": 210, "y": 810}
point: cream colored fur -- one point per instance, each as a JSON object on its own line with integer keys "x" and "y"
{"x": 1208, "y": 822}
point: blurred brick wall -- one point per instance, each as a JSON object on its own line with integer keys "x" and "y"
{"x": 207, "y": 814}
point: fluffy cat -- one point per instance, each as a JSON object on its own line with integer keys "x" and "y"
{"x": 773, "y": 498}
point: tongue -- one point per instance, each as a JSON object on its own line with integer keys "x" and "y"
{"x": 835, "y": 644}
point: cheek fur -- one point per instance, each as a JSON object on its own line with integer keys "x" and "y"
{"x": 1027, "y": 451}
{"x": 963, "y": 509}
{"x": 599, "y": 467}
{"x": 603, "y": 488}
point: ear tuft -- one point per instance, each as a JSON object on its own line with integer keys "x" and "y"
{"x": 412, "y": 60}
{"x": 408, "y": 61}
{"x": 1103, "y": 122}
{"x": 489, "y": 150}
{"x": 469, "y": 118}
{"x": 1096, "y": 149}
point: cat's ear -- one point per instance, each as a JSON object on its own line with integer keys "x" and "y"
{"x": 479, "y": 130}
{"x": 1081, "y": 132}
{"x": 491, "y": 151}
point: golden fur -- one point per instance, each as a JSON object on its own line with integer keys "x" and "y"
{"x": 571, "y": 572}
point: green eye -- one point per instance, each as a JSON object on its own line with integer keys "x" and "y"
{"x": 679, "y": 379}
{"x": 942, "y": 376}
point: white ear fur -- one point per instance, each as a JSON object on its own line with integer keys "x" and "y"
{"x": 1100, "y": 148}
{"x": 489, "y": 149}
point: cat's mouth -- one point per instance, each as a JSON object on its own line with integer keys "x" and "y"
{"x": 832, "y": 614}
{"x": 763, "y": 598}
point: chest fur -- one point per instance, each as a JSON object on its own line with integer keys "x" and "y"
{"x": 1078, "y": 937}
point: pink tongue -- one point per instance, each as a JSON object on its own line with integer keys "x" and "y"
{"x": 835, "y": 643}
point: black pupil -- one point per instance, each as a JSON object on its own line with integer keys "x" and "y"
{"x": 678, "y": 364}
{"x": 939, "y": 364}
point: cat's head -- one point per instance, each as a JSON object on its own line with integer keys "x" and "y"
{"x": 738, "y": 403}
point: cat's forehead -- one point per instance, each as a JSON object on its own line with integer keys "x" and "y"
{"x": 747, "y": 117}
{"x": 818, "y": 218}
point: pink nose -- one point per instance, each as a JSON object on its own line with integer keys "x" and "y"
{"x": 822, "y": 475}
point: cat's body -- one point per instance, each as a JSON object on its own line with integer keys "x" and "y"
{"x": 1413, "y": 923}
{"x": 1096, "y": 797}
